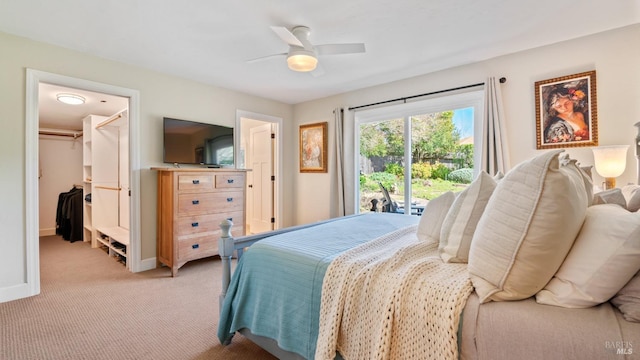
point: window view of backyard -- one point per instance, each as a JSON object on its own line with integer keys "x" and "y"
{"x": 440, "y": 159}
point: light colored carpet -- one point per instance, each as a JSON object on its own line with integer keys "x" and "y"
{"x": 91, "y": 307}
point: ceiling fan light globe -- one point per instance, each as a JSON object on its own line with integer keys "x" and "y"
{"x": 302, "y": 62}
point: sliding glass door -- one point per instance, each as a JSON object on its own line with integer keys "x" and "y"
{"x": 412, "y": 153}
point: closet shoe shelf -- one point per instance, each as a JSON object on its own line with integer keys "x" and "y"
{"x": 115, "y": 239}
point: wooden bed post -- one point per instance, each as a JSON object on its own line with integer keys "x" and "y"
{"x": 225, "y": 248}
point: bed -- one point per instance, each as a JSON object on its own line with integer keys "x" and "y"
{"x": 275, "y": 296}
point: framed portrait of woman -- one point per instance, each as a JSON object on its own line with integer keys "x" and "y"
{"x": 566, "y": 111}
{"x": 313, "y": 147}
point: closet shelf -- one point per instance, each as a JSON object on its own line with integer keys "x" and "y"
{"x": 115, "y": 239}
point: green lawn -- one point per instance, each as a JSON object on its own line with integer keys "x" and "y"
{"x": 423, "y": 191}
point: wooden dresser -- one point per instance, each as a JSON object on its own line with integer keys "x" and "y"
{"x": 191, "y": 205}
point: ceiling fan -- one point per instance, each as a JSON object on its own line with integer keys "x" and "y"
{"x": 302, "y": 55}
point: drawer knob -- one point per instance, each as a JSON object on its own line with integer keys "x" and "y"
{"x": 229, "y": 181}
{"x": 195, "y": 202}
{"x": 195, "y": 246}
{"x": 229, "y": 199}
{"x": 195, "y": 224}
{"x": 196, "y": 182}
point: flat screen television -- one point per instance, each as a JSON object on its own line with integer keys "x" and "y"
{"x": 191, "y": 142}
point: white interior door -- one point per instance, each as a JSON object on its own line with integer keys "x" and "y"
{"x": 261, "y": 185}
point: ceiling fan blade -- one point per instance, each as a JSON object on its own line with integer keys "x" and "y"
{"x": 287, "y": 36}
{"x": 337, "y": 49}
{"x": 266, "y": 57}
{"x": 318, "y": 71}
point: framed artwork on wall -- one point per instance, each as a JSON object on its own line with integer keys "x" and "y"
{"x": 313, "y": 147}
{"x": 566, "y": 111}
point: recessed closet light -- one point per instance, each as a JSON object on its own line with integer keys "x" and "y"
{"x": 70, "y": 99}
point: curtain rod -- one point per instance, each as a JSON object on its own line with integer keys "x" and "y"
{"x": 502, "y": 81}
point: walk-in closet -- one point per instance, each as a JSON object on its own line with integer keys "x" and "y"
{"x": 84, "y": 170}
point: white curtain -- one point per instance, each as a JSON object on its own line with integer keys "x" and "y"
{"x": 338, "y": 204}
{"x": 495, "y": 147}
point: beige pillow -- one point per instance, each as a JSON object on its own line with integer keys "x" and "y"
{"x": 612, "y": 196}
{"x": 588, "y": 171}
{"x": 631, "y": 194}
{"x": 463, "y": 216}
{"x": 627, "y": 300}
{"x": 527, "y": 229}
{"x": 604, "y": 257}
{"x": 433, "y": 215}
{"x": 585, "y": 171}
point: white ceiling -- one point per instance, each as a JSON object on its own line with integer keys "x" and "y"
{"x": 210, "y": 41}
{"x": 56, "y": 115}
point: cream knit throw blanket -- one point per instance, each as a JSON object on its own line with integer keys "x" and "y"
{"x": 392, "y": 298}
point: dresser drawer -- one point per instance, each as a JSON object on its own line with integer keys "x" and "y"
{"x": 197, "y": 247}
{"x": 226, "y": 181}
{"x": 206, "y": 224}
{"x": 196, "y": 182}
{"x": 210, "y": 203}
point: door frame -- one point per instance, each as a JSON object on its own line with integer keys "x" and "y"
{"x": 277, "y": 156}
{"x": 33, "y": 79}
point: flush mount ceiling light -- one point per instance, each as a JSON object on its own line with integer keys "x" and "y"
{"x": 70, "y": 99}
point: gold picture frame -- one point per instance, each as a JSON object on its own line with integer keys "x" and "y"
{"x": 313, "y": 147}
{"x": 566, "y": 111}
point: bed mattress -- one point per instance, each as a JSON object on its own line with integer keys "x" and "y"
{"x": 276, "y": 288}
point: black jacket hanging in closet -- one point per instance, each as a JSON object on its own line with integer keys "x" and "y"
{"x": 69, "y": 215}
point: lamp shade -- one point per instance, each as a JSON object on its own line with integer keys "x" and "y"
{"x": 302, "y": 60}
{"x": 610, "y": 161}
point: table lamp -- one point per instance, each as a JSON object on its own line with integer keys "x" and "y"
{"x": 610, "y": 162}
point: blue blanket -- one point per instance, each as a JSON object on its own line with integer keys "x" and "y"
{"x": 276, "y": 288}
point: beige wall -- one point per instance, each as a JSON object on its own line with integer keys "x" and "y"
{"x": 611, "y": 54}
{"x": 160, "y": 95}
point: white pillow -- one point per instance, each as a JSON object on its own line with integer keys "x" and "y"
{"x": 527, "y": 229}
{"x": 611, "y": 196}
{"x": 432, "y": 217}
{"x": 585, "y": 171}
{"x": 632, "y": 196}
{"x": 603, "y": 259}
{"x": 463, "y": 216}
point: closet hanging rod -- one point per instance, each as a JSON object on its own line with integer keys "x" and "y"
{"x": 502, "y": 81}
{"x": 62, "y": 133}
{"x": 108, "y": 188}
{"x": 108, "y": 121}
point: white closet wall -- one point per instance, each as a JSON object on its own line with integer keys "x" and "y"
{"x": 110, "y": 207}
{"x": 104, "y": 184}
{"x": 123, "y": 153}
{"x": 59, "y": 169}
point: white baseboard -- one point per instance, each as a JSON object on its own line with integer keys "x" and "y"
{"x": 147, "y": 264}
{"x": 47, "y": 232}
